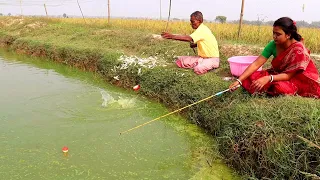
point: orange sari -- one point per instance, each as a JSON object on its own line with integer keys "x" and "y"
{"x": 297, "y": 59}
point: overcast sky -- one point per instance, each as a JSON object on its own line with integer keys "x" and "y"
{"x": 263, "y": 9}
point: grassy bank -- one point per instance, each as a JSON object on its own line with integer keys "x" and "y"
{"x": 259, "y": 136}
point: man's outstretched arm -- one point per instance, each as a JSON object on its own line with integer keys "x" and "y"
{"x": 177, "y": 37}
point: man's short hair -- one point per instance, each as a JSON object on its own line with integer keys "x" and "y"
{"x": 198, "y": 15}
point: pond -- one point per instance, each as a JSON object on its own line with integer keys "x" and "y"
{"x": 45, "y": 106}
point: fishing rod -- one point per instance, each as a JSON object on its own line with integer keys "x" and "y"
{"x": 194, "y": 51}
{"x": 217, "y": 94}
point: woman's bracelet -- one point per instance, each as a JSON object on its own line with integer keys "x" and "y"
{"x": 239, "y": 82}
{"x": 271, "y": 78}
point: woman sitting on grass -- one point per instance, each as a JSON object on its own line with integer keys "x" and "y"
{"x": 293, "y": 72}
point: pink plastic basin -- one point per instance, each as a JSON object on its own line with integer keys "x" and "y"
{"x": 239, "y": 63}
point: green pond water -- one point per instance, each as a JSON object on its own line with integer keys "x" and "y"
{"x": 45, "y": 106}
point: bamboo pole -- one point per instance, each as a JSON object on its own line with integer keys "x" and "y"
{"x": 21, "y": 6}
{"x": 168, "y": 17}
{"x": 241, "y": 16}
{"x": 45, "y": 8}
{"x": 108, "y": 11}
{"x": 81, "y": 12}
{"x": 160, "y": 11}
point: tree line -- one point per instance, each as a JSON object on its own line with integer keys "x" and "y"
{"x": 314, "y": 24}
{"x": 223, "y": 19}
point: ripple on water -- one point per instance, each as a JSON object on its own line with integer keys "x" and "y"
{"x": 122, "y": 102}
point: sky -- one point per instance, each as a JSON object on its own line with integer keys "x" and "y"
{"x": 264, "y": 10}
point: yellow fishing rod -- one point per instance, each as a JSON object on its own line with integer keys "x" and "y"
{"x": 217, "y": 94}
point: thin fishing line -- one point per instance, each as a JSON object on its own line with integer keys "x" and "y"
{"x": 194, "y": 51}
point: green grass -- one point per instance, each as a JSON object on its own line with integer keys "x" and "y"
{"x": 256, "y": 134}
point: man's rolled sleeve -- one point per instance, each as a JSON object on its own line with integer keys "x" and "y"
{"x": 196, "y": 36}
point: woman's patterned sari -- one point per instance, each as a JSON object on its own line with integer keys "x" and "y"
{"x": 296, "y": 59}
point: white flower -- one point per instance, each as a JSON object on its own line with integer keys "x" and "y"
{"x": 116, "y": 78}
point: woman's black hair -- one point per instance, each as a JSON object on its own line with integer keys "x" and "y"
{"x": 289, "y": 27}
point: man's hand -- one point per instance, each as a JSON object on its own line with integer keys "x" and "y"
{"x": 166, "y": 35}
{"x": 193, "y": 45}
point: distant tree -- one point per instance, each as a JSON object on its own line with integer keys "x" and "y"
{"x": 258, "y": 23}
{"x": 315, "y": 24}
{"x": 234, "y": 22}
{"x": 64, "y": 15}
{"x": 247, "y": 22}
{"x": 221, "y": 19}
{"x": 303, "y": 24}
{"x": 269, "y": 23}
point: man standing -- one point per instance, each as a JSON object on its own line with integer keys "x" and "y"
{"x": 204, "y": 40}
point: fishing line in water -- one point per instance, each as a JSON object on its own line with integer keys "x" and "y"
{"x": 217, "y": 94}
